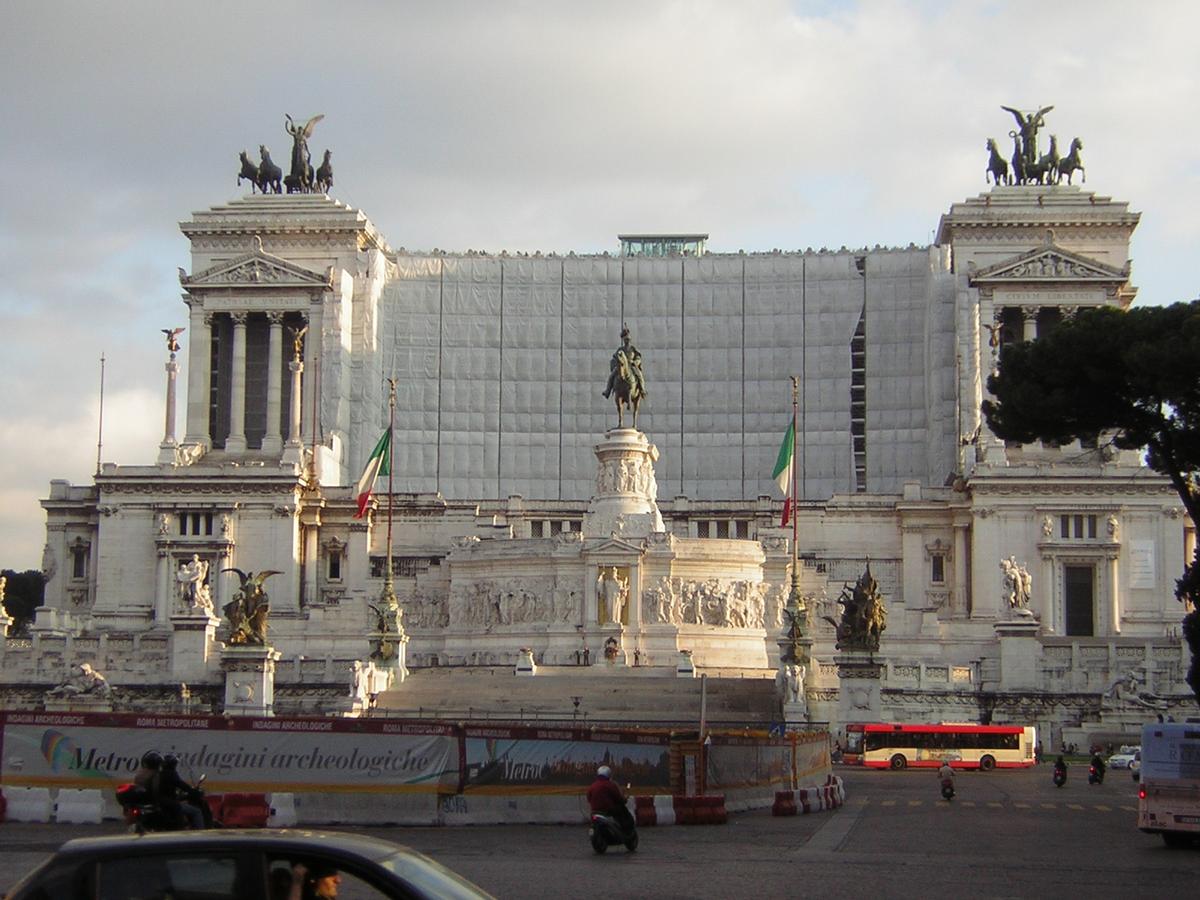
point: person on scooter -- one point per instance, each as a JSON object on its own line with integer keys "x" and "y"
{"x": 1060, "y": 769}
{"x": 147, "y": 777}
{"x": 946, "y": 774}
{"x": 605, "y": 797}
{"x": 1098, "y": 767}
{"x": 176, "y": 794}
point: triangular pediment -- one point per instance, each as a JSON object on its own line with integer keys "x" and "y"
{"x": 1049, "y": 263}
{"x": 255, "y": 269}
{"x": 614, "y": 547}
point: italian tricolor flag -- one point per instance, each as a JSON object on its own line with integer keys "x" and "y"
{"x": 783, "y": 470}
{"x": 380, "y": 463}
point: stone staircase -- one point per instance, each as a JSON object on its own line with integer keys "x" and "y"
{"x": 606, "y": 696}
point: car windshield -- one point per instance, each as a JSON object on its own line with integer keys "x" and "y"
{"x": 431, "y": 877}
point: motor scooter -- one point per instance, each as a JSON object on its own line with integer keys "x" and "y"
{"x": 948, "y": 788}
{"x": 1060, "y": 777}
{"x": 144, "y": 813}
{"x": 606, "y": 831}
{"x": 1095, "y": 774}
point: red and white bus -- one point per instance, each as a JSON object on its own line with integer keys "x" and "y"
{"x": 986, "y": 747}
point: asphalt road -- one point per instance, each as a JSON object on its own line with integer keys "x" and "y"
{"x": 1006, "y": 834}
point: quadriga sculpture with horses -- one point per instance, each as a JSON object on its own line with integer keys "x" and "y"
{"x": 626, "y": 384}
{"x": 864, "y": 615}
{"x": 303, "y": 178}
{"x": 1028, "y": 167}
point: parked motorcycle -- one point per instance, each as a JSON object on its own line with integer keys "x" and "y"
{"x": 144, "y": 813}
{"x": 606, "y": 831}
{"x": 948, "y": 788}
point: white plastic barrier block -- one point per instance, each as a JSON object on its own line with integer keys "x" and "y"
{"x": 283, "y": 810}
{"x": 84, "y": 806}
{"x": 664, "y": 809}
{"x": 28, "y": 804}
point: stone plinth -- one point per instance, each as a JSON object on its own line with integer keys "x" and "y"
{"x": 249, "y": 680}
{"x": 684, "y": 667}
{"x": 525, "y": 664}
{"x": 193, "y": 645}
{"x": 624, "y": 504}
{"x": 88, "y": 703}
{"x": 859, "y": 697}
{"x": 1020, "y": 652}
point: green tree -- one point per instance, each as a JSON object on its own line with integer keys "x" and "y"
{"x": 23, "y": 593}
{"x": 1134, "y": 375}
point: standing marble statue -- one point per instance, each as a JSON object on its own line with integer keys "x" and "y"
{"x": 193, "y": 589}
{"x": 1017, "y": 582}
{"x": 613, "y": 590}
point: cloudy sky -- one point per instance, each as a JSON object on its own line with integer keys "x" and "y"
{"x": 523, "y": 126}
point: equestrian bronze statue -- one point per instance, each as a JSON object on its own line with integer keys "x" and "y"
{"x": 626, "y": 383}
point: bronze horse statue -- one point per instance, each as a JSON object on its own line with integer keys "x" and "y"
{"x": 626, "y": 390}
{"x": 269, "y": 174}
{"x": 1072, "y": 162}
{"x": 997, "y": 167}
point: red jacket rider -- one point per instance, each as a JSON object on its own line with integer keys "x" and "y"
{"x": 604, "y": 796}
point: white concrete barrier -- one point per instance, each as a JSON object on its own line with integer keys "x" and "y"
{"x": 283, "y": 810}
{"x": 28, "y": 804}
{"x": 83, "y": 806}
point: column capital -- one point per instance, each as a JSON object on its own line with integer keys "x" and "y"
{"x": 275, "y": 318}
{"x": 1030, "y": 313}
{"x": 239, "y": 318}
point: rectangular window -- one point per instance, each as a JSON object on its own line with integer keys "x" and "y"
{"x": 535, "y": 528}
{"x": 743, "y": 530}
{"x": 79, "y": 560}
{"x": 723, "y": 528}
{"x": 937, "y": 569}
{"x": 335, "y": 565}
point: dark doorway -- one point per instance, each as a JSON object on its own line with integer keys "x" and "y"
{"x": 1079, "y": 592}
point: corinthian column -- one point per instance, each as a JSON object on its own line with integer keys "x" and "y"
{"x": 236, "y": 442}
{"x": 1029, "y": 326}
{"x": 272, "y": 441}
{"x": 292, "y": 452}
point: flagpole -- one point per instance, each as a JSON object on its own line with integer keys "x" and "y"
{"x": 100, "y": 426}
{"x": 389, "y": 592}
{"x": 795, "y": 520}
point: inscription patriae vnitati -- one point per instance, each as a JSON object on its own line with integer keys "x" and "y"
{"x": 1002, "y": 297}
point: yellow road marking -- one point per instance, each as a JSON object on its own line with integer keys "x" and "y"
{"x": 1103, "y": 808}
{"x": 889, "y": 803}
{"x": 1074, "y": 806}
{"x": 1049, "y": 806}
{"x": 968, "y": 803}
{"x": 915, "y": 802}
{"x": 1021, "y": 805}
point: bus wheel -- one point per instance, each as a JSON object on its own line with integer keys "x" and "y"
{"x": 986, "y": 763}
{"x": 898, "y": 761}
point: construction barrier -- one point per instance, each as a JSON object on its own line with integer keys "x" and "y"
{"x": 830, "y": 795}
{"x": 82, "y": 807}
{"x": 664, "y": 809}
{"x": 3, "y": 806}
{"x": 245, "y": 811}
{"x": 283, "y": 810}
{"x": 28, "y": 804}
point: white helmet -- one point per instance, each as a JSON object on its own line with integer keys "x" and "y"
{"x": 604, "y": 772}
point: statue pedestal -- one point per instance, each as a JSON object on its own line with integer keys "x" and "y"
{"x": 795, "y": 714}
{"x": 684, "y": 668}
{"x": 1020, "y": 651}
{"x": 81, "y": 703}
{"x": 390, "y": 656}
{"x": 249, "y": 680}
{"x": 525, "y": 664}
{"x": 193, "y": 646}
{"x": 625, "y": 502}
{"x": 612, "y": 646}
{"x": 859, "y": 698}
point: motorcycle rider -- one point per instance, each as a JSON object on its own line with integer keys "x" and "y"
{"x": 1060, "y": 768}
{"x": 1098, "y": 766}
{"x": 175, "y": 794}
{"x": 946, "y": 774}
{"x": 605, "y": 797}
{"x": 147, "y": 777}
